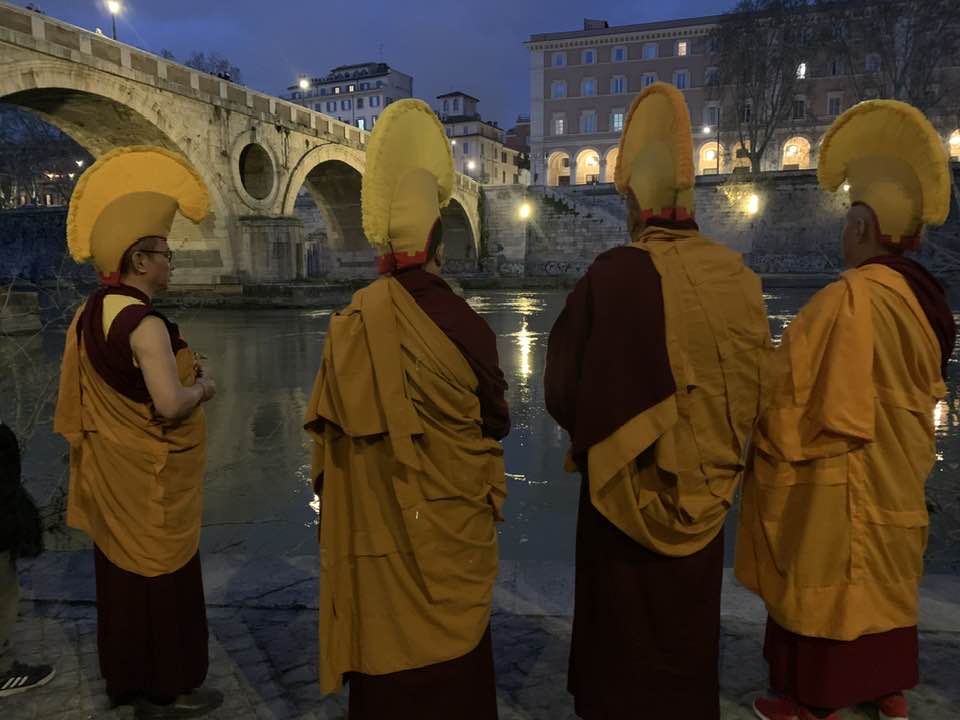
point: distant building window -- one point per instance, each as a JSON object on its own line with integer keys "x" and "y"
{"x": 336, "y": 90}
{"x": 588, "y": 57}
{"x": 711, "y": 116}
{"x": 650, "y": 51}
{"x": 711, "y": 77}
{"x": 746, "y": 112}
{"x": 466, "y": 148}
{"x": 681, "y": 78}
{"x": 345, "y": 104}
{"x": 446, "y": 105}
{"x": 456, "y": 104}
{"x": 318, "y": 107}
{"x": 618, "y": 84}
{"x": 588, "y": 121}
{"x": 588, "y": 87}
{"x": 619, "y": 54}
{"x": 713, "y": 44}
{"x": 359, "y": 103}
{"x": 351, "y": 88}
{"x": 332, "y": 106}
{"x": 834, "y": 104}
{"x": 649, "y": 79}
{"x": 323, "y": 91}
{"x": 558, "y": 125}
{"x": 364, "y": 86}
{"x": 373, "y": 121}
{"x": 558, "y": 89}
{"x": 836, "y": 67}
{"x": 799, "y": 108}
{"x": 559, "y": 59}
{"x": 361, "y": 123}
{"x": 616, "y": 121}
{"x": 802, "y": 71}
{"x": 683, "y": 48}
{"x": 873, "y": 63}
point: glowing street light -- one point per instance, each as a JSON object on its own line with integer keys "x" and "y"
{"x": 304, "y": 84}
{"x": 846, "y": 187}
{"x": 524, "y": 211}
{"x": 453, "y": 142}
{"x": 79, "y": 163}
{"x": 471, "y": 165}
{"x": 707, "y": 129}
{"x": 114, "y": 7}
{"x": 753, "y": 204}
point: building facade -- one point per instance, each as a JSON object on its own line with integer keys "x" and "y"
{"x": 583, "y": 82}
{"x": 354, "y": 94}
{"x": 478, "y": 145}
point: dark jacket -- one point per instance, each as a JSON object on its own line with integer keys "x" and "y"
{"x": 20, "y": 530}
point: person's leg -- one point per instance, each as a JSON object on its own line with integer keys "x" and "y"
{"x": 15, "y": 677}
{"x": 9, "y": 598}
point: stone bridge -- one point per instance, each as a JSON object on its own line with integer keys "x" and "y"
{"x": 257, "y": 153}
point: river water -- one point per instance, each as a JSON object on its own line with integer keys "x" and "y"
{"x": 258, "y": 495}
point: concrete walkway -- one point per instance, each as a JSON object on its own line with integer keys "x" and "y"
{"x": 263, "y": 629}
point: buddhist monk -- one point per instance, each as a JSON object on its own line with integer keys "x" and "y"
{"x": 655, "y": 368}
{"x": 834, "y": 520}
{"x": 130, "y": 407}
{"x": 405, "y": 416}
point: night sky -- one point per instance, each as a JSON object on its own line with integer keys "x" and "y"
{"x": 475, "y": 46}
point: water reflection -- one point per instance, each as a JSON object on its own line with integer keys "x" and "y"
{"x": 260, "y": 499}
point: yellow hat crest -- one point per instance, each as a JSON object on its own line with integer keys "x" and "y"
{"x": 894, "y": 162}
{"x": 409, "y": 177}
{"x": 655, "y": 161}
{"x": 128, "y": 194}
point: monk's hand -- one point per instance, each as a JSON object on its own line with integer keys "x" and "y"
{"x": 198, "y": 359}
{"x": 209, "y": 388}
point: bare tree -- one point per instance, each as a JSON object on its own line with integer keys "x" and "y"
{"x": 36, "y": 160}
{"x": 902, "y": 49}
{"x": 764, "y": 48}
{"x": 214, "y": 64}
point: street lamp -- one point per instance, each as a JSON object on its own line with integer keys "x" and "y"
{"x": 79, "y": 163}
{"x": 114, "y": 7}
{"x": 524, "y": 211}
{"x": 304, "y": 84}
{"x": 471, "y": 165}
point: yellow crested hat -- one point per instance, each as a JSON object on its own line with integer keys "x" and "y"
{"x": 408, "y": 178}
{"x": 128, "y": 194}
{"x": 655, "y": 161}
{"x": 894, "y": 162}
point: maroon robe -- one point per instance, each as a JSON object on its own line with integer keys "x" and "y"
{"x": 463, "y": 688}
{"x": 151, "y": 631}
{"x": 832, "y": 674}
{"x": 646, "y": 627}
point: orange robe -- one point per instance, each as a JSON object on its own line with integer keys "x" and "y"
{"x": 411, "y": 490}
{"x": 136, "y": 481}
{"x": 833, "y": 523}
{"x": 717, "y": 340}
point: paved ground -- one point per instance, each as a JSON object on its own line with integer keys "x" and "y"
{"x": 263, "y": 630}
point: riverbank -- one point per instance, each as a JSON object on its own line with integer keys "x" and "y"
{"x": 263, "y": 630}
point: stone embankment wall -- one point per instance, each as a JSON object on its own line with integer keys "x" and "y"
{"x": 795, "y": 229}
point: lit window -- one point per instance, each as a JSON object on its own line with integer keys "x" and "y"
{"x": 954, "y": 144}
{"x": 802, "y": 71}
{"x": 616, "y": 123}
{"x": 682, "y": 48}
{"x": 558, "y": 124}
{"x": 361, "y": 123}
{"x": 649, "y": 51}
{"x": 351, "y": 88}
{"x": 336, "y": 90}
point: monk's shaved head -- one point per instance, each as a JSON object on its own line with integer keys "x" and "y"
{"x": 862, "y": 236}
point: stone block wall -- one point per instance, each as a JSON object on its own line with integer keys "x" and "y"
{"x": 795, "y": 229}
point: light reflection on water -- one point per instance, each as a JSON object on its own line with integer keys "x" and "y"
{"x": 259, "y": 498}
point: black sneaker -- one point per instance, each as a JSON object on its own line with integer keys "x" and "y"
{"x": 22, "y": 677}
{"x": 192, "y": 705}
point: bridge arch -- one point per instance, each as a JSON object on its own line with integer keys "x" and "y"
{"x": 100, "y": 112}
